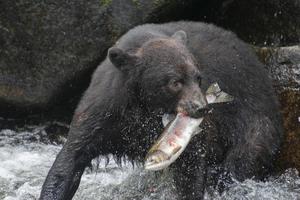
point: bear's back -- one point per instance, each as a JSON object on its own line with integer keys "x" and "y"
{"x": 223, "y": 58}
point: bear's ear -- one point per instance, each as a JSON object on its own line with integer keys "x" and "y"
{"x": 180, "y": 36}
{"x": 121, "y": 59}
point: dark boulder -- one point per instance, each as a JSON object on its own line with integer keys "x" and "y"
{"x": 267, "y": 22}
{"x": 48, "y": 49}
{"x": 283, "y": 65}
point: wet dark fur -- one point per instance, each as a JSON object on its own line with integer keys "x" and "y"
{"x": 240, "y": 138}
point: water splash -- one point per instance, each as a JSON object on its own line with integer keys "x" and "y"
{"x": 27, "y": 156}
{"x": 284, "y": 187}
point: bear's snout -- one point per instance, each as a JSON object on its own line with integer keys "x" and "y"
{"x": 193, "y": 102}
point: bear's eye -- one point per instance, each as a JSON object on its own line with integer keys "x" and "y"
{"x": 175, "y": 84}
{"x": 199, "y": 79}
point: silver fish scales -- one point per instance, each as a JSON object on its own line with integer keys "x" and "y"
{"x": 178, "y": 133}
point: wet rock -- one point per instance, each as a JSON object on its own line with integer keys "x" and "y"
{"x": 261, "y": 23}
{"x": 268, "y": 22}
{"x": 283, "y": 65}
{"x": 290, "y": 154}
{"x": 48, "y": 49}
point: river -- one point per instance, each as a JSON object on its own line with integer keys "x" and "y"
{"x": 26, "y": 156}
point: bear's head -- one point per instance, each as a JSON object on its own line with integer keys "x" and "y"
{"x": 165, "y": 74}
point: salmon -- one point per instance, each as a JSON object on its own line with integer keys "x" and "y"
{"x": 172, "y": 142}
{"x": 178, "y": 132}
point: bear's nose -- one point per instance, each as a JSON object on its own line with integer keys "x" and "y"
{"x": 202, "y": 111}
{"x": 200, "y": 108}
{"x": 193, "y": 108}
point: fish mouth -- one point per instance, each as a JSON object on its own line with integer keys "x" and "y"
{"x": 153, "y": 166}
{"x": 159, "y": 160}
{"x": 155, "y": 163}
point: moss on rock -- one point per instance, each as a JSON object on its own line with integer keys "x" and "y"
{"x": 105, "y": 2}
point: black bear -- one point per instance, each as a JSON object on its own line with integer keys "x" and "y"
{"x": 162, "y": 68}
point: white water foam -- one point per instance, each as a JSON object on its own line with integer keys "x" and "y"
{"x": 25, "y": 161}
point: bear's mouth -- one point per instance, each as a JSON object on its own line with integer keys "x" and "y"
{"x": 179, "y": 130}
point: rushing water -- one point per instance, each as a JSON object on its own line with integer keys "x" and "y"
{"x": 25, "y": 158}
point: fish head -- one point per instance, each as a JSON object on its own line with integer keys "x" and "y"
{"x": 156, "y": 160}
{"x": 154, "y": 166}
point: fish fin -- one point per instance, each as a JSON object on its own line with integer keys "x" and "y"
{"x": 210, "y": 98}
{"x": 214, "y": 94}
{"x": 223, "y": 97}
{"x": 213, "y": 88}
